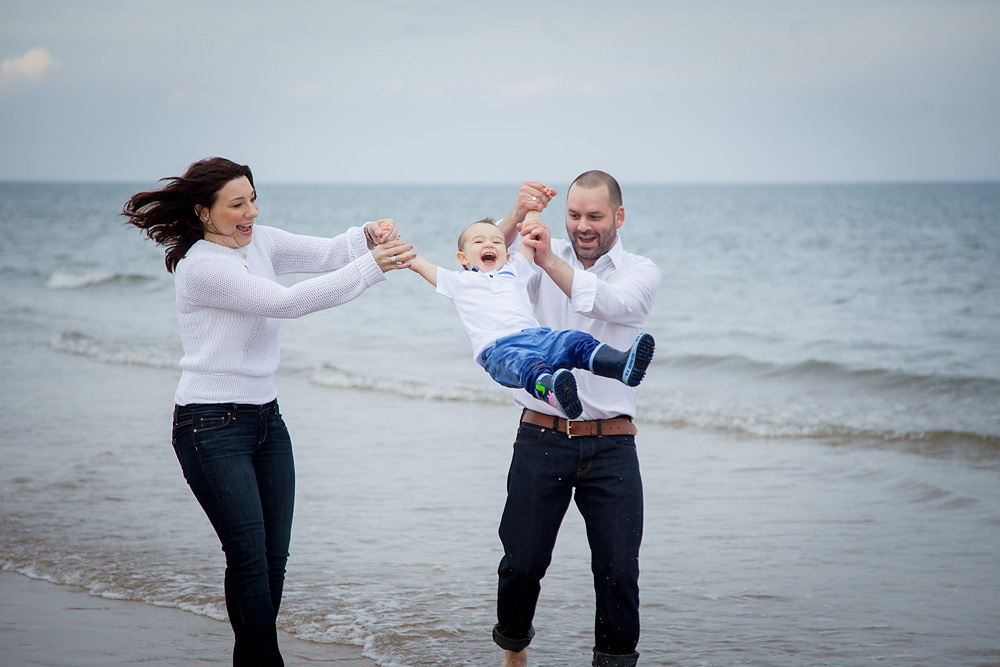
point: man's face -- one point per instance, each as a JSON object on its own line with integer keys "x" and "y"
{"x": 591, "y": 223}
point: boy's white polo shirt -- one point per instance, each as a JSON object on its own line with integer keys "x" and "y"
{"x": 490, "y": 305}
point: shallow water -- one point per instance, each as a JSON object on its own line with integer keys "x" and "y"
{"x": 820, "y": 463}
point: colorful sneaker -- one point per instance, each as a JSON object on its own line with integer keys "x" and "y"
{"x": 543, "y": 387}
{"x": 563, "y": 395}
{"x": 638, "y": 359}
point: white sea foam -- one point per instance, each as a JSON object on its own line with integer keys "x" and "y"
{"x": 329, "y": 376}
{"x": 65, "y": 280}
{"x": 73, "y": 342}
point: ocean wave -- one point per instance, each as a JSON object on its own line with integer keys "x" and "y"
{"x": 74, "y": 342}
{"x": 939, "y": 443}
{"x": 336, "y": 378}
{"x": 70, "y": 280}
{"x": 814, "y": 371}
{"x": 41, "y": 563}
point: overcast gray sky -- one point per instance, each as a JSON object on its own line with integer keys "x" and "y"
{"x": 452, "y": 91}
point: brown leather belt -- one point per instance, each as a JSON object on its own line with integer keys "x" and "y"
{"x": 576, "y": 429}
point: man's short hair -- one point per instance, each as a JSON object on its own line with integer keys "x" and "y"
{"x": 595, "y": 178}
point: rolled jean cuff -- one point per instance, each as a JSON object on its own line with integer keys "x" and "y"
{"x": 608, "y": 660}
{"x": 508, "y": 644}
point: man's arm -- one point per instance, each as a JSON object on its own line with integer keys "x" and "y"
{"x": 628, "y": 300}
{"x": 424, "y": 268}
{"x": 538, "y": 237}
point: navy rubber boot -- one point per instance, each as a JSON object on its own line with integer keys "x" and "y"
{"x": 628, "y": 367}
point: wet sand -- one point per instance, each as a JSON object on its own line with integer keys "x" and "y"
{"x": 48, "y": 624}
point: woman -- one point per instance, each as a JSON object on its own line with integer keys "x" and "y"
{"x": 228, "y": 433}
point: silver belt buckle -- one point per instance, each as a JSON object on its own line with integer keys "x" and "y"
{"x": 569, "y": 428}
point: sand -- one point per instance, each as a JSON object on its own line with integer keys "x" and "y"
{"x": 47, "y": 624}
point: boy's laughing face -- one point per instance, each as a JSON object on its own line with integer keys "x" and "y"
{"x": 483, "y": 248}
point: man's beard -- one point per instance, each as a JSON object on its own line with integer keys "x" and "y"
{"x": 603, "y": 246}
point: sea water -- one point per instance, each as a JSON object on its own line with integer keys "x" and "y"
{"x": 819, "y": 430}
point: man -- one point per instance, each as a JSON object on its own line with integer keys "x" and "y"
{"x": 589, "y": 283}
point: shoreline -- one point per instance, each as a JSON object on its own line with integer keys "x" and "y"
{"x": 42, "y": 623}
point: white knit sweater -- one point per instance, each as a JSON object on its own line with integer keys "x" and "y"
{"x": 229, "y": 307}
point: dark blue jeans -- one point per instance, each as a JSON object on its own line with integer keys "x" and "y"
{"x": 237, "y": 459}
{"x": 518, "y": 359}
{"x": 546, "y": 468}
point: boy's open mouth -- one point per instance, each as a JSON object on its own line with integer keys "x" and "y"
{"x": 488, "y": 257}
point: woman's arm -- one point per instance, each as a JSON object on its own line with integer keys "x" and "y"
{"x": 228, "y": 286}
{"x": 301, "y": 253}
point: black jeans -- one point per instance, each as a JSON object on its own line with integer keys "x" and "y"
{"x": 237, "y": 459}
{"x": 546, "y": 468}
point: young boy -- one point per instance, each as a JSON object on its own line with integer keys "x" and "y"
{"x": 492, "y": 301}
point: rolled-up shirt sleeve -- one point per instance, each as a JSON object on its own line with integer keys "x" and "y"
{"x": 625, "y": 299}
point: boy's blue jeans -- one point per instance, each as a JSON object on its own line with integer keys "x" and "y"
{"x": 546, "y": 469}
{"x": 237, "y": 459}
{"x": 518, "y": 359}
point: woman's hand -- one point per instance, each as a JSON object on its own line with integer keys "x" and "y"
{"x": 393, "y": 254}
{"x": 381, "y": 231}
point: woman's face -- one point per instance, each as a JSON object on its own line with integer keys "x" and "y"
{"x": 229, "y": 221}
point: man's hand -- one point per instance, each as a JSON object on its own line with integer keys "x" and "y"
{"x": 538, "y": 237}
{"x": 533, "y": 196}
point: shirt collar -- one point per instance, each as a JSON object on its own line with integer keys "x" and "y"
{"x": 614, "y": 256}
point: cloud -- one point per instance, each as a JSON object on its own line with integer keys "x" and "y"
{"x": 29, "y": 68}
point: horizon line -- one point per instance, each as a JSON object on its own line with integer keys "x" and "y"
{"x": 491, "y": 183}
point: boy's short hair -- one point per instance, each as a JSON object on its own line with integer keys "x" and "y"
{"x": 461, "y": 237}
